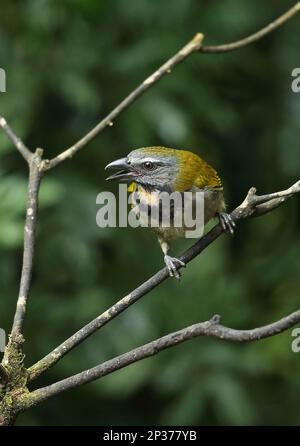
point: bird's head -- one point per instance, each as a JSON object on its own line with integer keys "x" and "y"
{"x": 163, "y": 168}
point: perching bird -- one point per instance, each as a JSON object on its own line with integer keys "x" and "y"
{"x": 157, "y": 169}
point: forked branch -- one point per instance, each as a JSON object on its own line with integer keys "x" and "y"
{"x": 211, "y": 328}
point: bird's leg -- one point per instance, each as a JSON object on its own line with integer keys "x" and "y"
{"x": 227, "y": 222}
{"x": 172, "y": 263}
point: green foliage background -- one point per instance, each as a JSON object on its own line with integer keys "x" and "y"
{"x": 68, "y": 63}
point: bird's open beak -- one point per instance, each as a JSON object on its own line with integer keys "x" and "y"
{"x": 125, "y": 171}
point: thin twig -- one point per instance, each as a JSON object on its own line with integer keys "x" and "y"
{"x": 18, "y": 143}
{"x": 211, "y": 328}
{"x": 246, "y": 209}
{"x": 254, "y": 37}
{"x": 29, "y": 240}
{"x": 194, "y": 46}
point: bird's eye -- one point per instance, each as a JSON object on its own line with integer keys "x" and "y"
{"x": 148, "y": 165}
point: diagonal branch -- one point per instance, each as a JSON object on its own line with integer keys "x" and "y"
{"x": 211, "y": 328}
{"x": 191, "y": 47}
{"x": 194, "y": 46}
{"x": 18, "y": 143}
{"x": 252, "y": 206}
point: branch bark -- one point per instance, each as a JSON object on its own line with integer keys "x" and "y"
{"x": 35, "y": 175}
{"x": 194, "y": 46}
{"x": 252, "y": 206}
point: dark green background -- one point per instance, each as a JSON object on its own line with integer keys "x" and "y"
{"x": 68, "y": 63}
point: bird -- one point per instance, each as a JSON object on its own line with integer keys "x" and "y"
{"x": 152, "y": 170}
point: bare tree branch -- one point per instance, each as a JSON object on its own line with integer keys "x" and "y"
{"x": 29, "y": 240}
{"x": 194, "y": 46}
{"x": 254, "y": 37}
{"x": 248, "y": 208}
{"x": 13, "y": 374}
{"x": 191, "y": 47}
{"x": 211, "y": 328}
{"x": 18, "y": 143}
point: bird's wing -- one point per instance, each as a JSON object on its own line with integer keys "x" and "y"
{"x": 207, "y": 176}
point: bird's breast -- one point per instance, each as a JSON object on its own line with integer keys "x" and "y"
{"x": 167, "y": 216}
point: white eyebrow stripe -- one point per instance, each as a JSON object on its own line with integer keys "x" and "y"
{"x": 150, "y": 159}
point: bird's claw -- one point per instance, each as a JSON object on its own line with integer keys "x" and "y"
{"x": 172, "y": 263}
{"x": 228, "y": 224}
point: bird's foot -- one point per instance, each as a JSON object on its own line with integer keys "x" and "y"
{"x": 172, "y": 263}
{"x": 228, "y": 224}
